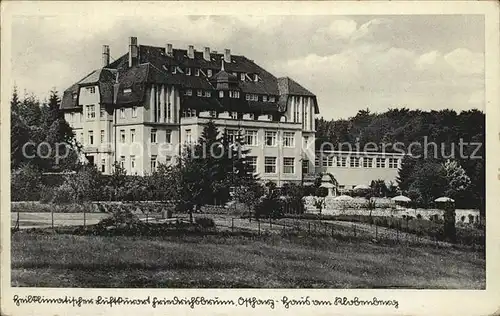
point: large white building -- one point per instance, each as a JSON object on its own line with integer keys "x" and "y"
{"x": 140, "y": 109}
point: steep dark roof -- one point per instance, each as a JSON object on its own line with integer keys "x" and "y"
{"x": 154, "y": 66}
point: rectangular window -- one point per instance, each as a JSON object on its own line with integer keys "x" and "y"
{"x": 134, "y": 111}
{"x": 168, "y": 136}
{"x": 188, "y": 92}
{"x": 72, "y": 117}
{"x": 221, "y": 94}
{"x": 122, "y": 162}
{"x": 231, "y": 135}
{"x": 328, "y": 161}
{"x": 247, "y": 97}
{"x": 354, "y": 162}
{"x": 122, "y": 113}
{"x": 188, "y": 71}
{"x": 122, "y": 136}
{"x": 81, "y": 137}
{"x": 234, "y": 94}
{"x": 128, "y": 90}
{"x": 91, "y": 90}
{"x": 271, "y": 99}
{"x": 264, "y": 98}
{"x": 132, "y": 164}
{"x": 234, "y": 115}
{"x": 213, "y": 113}
{"x": 199, "y": 93}
{"x": 102, "y": 136}
{"x": 153, "y": 136}
{"x": 208, "y": 94}
{"x": 174, "y": 70}
{"x": 103, "y": 165}
{"x": 305, "y": 166}
{"x": 251, "y": 138}
{"x": 393, "y": 162}
{"x": 90, "y": 111}
{"x": 196, "y": 72}
{"x": 91, "y": 137}
{"x": 103, "y": 113}
{"x": 270, "y": 164}
{"x": 168, "y": 160}
{"x": 189, "y": 137}
{"x": 209, "y": 72}
{"x": 270, "y": 138}
{"x": 132, "y": 135}
{"x": 252, "y": 162}
{"x": 153, "y": 163}
{"x": 367, "y": 162}
{"x": 317, "y": 161}
{"x": 380, "y": 162}
{"x": 288, "y": 139}
{"x": 288, "y": 165}
{"x": 242, "y": 77}
{"x": 341, "y": 161}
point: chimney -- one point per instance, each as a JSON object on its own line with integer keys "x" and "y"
{"x": 191, "y": 51}
{"x": 169, "y": 50}
{"x": 206, "y": 54}
{"x": 133, "y": 52}
{"x": 105, "y": 55}
{"x": 227, "y": 55}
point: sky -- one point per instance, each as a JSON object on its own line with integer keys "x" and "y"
{"x": 427, "y": 62}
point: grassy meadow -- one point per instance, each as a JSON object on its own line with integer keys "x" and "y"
{"x": 222, "y": 261}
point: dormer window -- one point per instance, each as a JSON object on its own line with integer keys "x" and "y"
{"x": 234, "y": 94}
{"x": 174, "y": 70}
{"x": 247, "y": 97}
{"x": 271, "y": 99}
{"x": 199, "y": 93}
{"x": 235, "y": 74}
{"x": 255, "y": 77}
{"x": 264, "y": 98}
{"x": 75, "y": 96}
{"x": 208, "y": 94}
{"x": 209, "y": 72}
{"x": 242, "y": 76}
{"x": 91, "y": 90}
{"x": 221, "y": 94}
{"x": 196, "y": 72}
{"x": 188, "y": 92}
{"x": 188, "y": 71}
{"x": 127, "y": 90}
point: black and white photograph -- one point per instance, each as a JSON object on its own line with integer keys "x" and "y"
{"x": 206, "y": 150}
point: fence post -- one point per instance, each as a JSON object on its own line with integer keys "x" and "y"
{"x": 232, "y": 224}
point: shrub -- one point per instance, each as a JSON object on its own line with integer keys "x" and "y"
{"x": 419, "y": 216}
{"x": 47, "y": 194}
{"x": 62, "y": 195}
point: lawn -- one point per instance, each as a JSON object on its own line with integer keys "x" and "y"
{"x": 216, "y": 261}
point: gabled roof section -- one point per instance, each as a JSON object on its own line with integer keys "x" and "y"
{"x": 288, "y": 87}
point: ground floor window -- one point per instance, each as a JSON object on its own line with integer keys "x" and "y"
{"x": 288, "y": 165}
{"x": 270, "y": 164}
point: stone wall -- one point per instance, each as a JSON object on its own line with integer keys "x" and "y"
{"x": 384, "y": 207}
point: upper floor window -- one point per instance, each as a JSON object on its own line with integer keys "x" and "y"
{"x": 288, "y": 139}
{"x": 231, "y": 135}
{"x": 188, "y": 92}
{"x": 153, "y": 136}
{"x": 91, "y": 90}
{"x": 393, "y": 162}
{"x": 255, "y": 77}
{"x": 252, "y": 162}
{"x": 153, "y": 163}
{"x": 168, "y": 136}
{"x": 252, "y": 97}
{"x": 132, "y": 135}
{"x": 234, "y": 94}
{"x": 380, "y": 162}
{"x": 122, "y": 136}
{"x": 102, "y": 137}
{"x": 272, "y": 99}
{"x": 242, "y": 76}
{"x": 354, "y": 162}
{"x": 208, "y": 94}
{"x": 270, "y": 138}
{"x": 270, "y": 164}
{"x": 341, "y": 161}
{"x": 174, "y": 70}
{"x": 209, "y": 72}
{"x": 188, "y": 71}
{"x": 189, "y": 113}
{"x": 264, "y": 98}
{"x": 91, "y": 137}
{"x": 305, "y": 166}
{"x": 251, "y": 137}
{"x": 189, "y": 136}
{"x": 196, "y": 72}
{"x": 102, "y": 113}
{"x": 367, "y": 162}
{"x": 122, "y": 113}
{"x": 134, "y": 111}
{"x": 221, "y": 94}
{"x": 75, "y": 96}
{"x": 234, "y": 115}
{"x": 288, "y": 165}
{"x": 122, "y": 162}
{"x": 129, "y": 90}
{"x": 199, "y": 93}
{"x": 90, "y": 111}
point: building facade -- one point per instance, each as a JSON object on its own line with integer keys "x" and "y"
{"x": 142, "y": 108}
